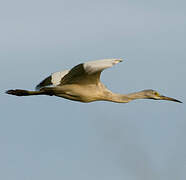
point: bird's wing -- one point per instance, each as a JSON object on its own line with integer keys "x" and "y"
{"x": 53, "y": 80}
{"x": 88, "y": 72}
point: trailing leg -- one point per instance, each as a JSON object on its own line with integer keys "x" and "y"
{"x": 21, "y": 92}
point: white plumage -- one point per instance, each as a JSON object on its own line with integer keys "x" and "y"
{"x": 92, "y": 67}
{"x": 57, "y": 76}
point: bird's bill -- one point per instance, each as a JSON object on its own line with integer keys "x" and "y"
{"x": 118, "y": 60}
{"x": 169, "y": 99}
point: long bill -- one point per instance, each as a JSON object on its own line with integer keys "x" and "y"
{"x": 169, "y": 99}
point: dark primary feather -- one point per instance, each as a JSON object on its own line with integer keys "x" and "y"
{"x": 46, "y": 82}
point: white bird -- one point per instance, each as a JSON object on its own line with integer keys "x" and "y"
{"x": 82, "y": 83}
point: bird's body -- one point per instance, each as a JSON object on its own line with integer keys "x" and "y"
{"x": 81, "y": 92}
{"x": 82, "y": 83}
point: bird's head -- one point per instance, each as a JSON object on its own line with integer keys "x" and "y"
{"x": 152, "y": 94}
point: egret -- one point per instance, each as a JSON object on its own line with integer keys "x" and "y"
{"x": 82, "y": 83}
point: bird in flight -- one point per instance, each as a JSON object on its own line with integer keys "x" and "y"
{"x": 82, "y": 83}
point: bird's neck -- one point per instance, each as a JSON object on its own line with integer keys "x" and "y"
{"x": 137, "y": 95}
{"x": 125, "y": 98}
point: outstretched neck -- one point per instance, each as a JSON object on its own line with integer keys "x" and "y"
{"x": 137, "y": 95}
{"x": 125, "y": 98}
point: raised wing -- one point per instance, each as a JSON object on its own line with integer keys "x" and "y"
{"x": 53, "y": 80}
{"x": 88, "y": 73}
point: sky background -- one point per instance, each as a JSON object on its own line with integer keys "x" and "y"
{"x": 52, "y": 138}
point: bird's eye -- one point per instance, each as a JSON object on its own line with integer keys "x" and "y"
{"x": 156, "y": 93}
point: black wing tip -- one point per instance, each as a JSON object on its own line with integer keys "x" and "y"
{"x": 38, "y": 87}
{"x": 46, "y": 82}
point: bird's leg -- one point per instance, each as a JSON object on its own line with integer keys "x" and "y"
{"x": 22, "y": 92}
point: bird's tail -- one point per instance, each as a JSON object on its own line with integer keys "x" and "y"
{"x": 21, "y": 92}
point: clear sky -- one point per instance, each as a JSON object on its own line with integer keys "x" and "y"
{"x": 52, "y": 138}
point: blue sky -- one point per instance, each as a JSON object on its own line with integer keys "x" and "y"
{"x": 53, "y": 138}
